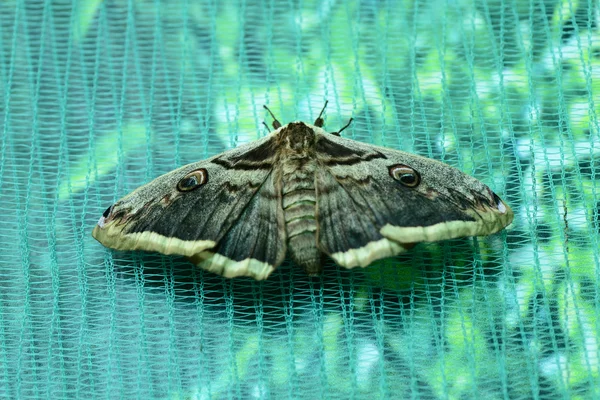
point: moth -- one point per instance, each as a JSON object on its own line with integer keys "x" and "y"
{"x": 302, "y": 192}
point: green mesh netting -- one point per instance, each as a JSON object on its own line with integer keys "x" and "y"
{"x": 98, "y": 97}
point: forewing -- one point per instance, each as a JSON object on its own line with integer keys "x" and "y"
{"x": 366, "y": 213}
{"x": 160, "y": 217}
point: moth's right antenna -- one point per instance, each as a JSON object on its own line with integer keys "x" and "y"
{"x": 319, "y": 121}
{"x": 345, "y": 126}
{"x": 276, "y": 123}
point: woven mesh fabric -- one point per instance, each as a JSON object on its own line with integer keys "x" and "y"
{"x": 99, "y": 97}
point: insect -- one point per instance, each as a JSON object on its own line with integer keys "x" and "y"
{"x": 302, "y": 192}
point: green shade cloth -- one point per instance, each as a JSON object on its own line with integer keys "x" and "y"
{"x": 99, "y": 97}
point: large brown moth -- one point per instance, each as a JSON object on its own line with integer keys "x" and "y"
{"x": 304, "y": 192}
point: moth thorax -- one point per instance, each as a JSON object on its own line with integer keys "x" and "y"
{"x": 297, "y": 137}
{"x": 299, "y": 208}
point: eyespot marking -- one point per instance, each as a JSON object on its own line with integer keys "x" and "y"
{"x": 406, "y": 175}
{"x": 193, "y": 180}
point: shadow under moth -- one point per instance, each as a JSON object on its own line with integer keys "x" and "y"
{"x": 303, "y": 192}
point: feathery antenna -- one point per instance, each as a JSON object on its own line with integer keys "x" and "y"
{"x": 345, "y": 126}
{"x": 319, "y": 121}
{"x": 276, "y": 123}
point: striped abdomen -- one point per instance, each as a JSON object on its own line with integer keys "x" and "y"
{"x": 299, "y": 207}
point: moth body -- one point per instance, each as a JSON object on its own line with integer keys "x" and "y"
{"x": 296, "y": 168}
{"x": 305, "y": 193}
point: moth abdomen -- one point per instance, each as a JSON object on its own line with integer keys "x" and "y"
{"x": 304, "y": 252}
{"x": 301, "y": 229}
{"x": 299, "y": 215}
{"x": 299, "y": 210}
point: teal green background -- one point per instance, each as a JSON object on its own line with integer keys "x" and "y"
{"x": 99, "y": 97}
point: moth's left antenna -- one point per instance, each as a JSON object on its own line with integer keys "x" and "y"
{"x": 276, "y": 123}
